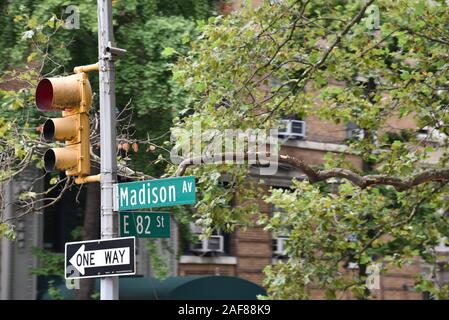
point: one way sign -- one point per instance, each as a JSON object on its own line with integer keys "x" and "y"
{"x": 100, "y": 258}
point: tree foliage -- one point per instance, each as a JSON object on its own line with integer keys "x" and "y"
{"x": 328, "y": 59}
{"x": 35, "y": 44}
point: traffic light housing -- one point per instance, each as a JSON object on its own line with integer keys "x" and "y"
{"x": 73, "y": 96}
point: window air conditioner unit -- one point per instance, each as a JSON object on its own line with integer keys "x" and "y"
{"x": 214, "y": 244}
{"x": 355, "y": 132}
{"x": 292, "y": 129}
{"x": 442, "y": 247}
{"x": 279, "y": 248}
{"x": 431, "y": 134}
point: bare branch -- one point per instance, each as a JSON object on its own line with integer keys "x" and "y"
{"x": 30, "y": 207}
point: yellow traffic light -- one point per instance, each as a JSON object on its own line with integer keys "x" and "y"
{"x": 71, "y": 92}
{"x": 73, "y": 96}
{"x": 75, "y": 156}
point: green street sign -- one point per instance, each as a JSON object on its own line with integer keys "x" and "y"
{"x": 145, "y": 224}
{"x": 154, "y": 193}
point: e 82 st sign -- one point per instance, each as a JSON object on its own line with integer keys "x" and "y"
{"x": 145, "y": 224}
{"x": 99, "y": 258}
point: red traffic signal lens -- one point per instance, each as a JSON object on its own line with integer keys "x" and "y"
{"x": 44, "y": 95}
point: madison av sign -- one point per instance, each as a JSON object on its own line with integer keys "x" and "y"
{"x": 154, "y": 193}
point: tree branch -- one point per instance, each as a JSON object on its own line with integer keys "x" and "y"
{"x": 399, "y": 183}
{"x": 337, "y": 40}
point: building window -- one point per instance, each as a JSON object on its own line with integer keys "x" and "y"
{"x": 216, "y": 245}
{"x": 279, "y": 246}
{"x": 431, "y": 134}
{"x": 354, "y": 132}
{"x": 443, "y": 246}
{"x": 279, "y": 240}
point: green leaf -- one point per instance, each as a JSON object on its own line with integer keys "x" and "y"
{"x": 396, "y": 145}
{"x": 54, "y": 180}
{"x": 31, "y": 57}
{"x": 32, "y": 23}
{"x": 27, "y": 195}
{"x": 168, "y": 52}
{"x": 419, "y": 7}
{"x": 7, "y": 231}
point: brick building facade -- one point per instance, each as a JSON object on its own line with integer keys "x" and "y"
{"x": 250, "y": 251}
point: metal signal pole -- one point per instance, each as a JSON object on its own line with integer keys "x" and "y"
{"x": 109, "y": 223}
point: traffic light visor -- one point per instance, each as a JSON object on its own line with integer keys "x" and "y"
{"x": 61, "y": 128}
{"x": 61, "y": 158}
